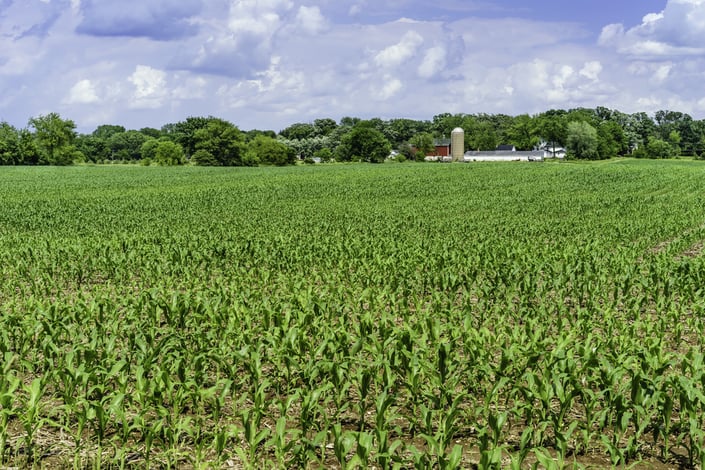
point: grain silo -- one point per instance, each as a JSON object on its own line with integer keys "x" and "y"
{"x": 457, "y": 144}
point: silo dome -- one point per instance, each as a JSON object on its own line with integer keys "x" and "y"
{"x": 457, "y": 144}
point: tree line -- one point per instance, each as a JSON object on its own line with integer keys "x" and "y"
{"x": 585, "y": 133}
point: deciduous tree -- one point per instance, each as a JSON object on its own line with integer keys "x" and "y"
{"x": 581, "y": 141}
{"x": 55, "y": 138}
{"x": 364, "y": 143}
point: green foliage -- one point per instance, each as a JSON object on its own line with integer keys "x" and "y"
{"x": 582, "y": 141}
{"x": 363, "y": 143}
{"x": 271, "y": 151}
{"x": 168, "y": 153}
{"x": 184, "y": 132}
{"x": 325, "y": 154}
{"x": 9, "y": 145}
{"x": 94, "y": 148}
{"x": 222, "y": 140}
{"x": 423, "y": 143}
{"x": 552, "y": 126}
{"x": 522, "y": 132}
{"x": 148, "y": 150}
{"x": 126, "y": 145}
{"x": 106, "y": 131}
{"x": 203, "y": 158}
{"x": 299, "y": 131}
{"x": 657, "y": 148}
{"x": 611, "y": 140}
{"x": 54, "y": 138}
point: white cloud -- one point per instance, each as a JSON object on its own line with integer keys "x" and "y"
{"x": 591, "y": 70}
{"x": 310, "y": 20}
{"x": 662, "y": 73}
{"x": 397, "y": 54}
{"x": 268, "y": 63}
{"x": 192, "y": 88}
{"x": 150, "y": 87}
{"x": 240, "y": 44}
{"x": 390, "y": 87}
{"x": 83, "y": 92}
{"x": 677, "y": 30}
{"x": 433, "y": 63}
{"x": 258, "y": 17}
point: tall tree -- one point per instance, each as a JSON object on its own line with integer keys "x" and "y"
{"x": 184, "y": 132}
{"x": 94, "y": 149}
{"x": 298, "y": 131}
{"x": 553, "y": 127}
{"x": 126, "y": 145}
{"x": 423, "y": 143}
{"x": 168, "y": 153}
{"x": 611, "y": 140}
{"x": 29, "y": 151}
{"x": 55, "y": 138}
{"x": 364, "y": 143}
{"x": 324, "y": 127}
{"x": 522, "y": 132}
{"x": 105, "y": 131}
{"x": 581, "y": 141}
{"x": 263, "y": 149}
{"x": 222, "y": 140}
{"x": 9, "y": 145}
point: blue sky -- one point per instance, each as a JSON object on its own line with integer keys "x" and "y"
{"x": 266, "y": 64}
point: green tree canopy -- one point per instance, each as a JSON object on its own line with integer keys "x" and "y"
{"x": 54, "y": 137}
{"x": 612, "y": 141}
{"x": 523, "y": 132}
{"x": 106, "y": 131}
{"x": 423, "y": 142}
{"x": 9, "y": 145}
{"x": 184, "y": 132}
{"x": 298, "y": 131}
{"x": 126, "y": 145}
{"x": 553, "y": 127}
{"x": 223, "y": 141}
{"x": 265, "y": 149}
{"x": 659, "y": 148}
{"x": 324, "y": 127}
{"x": 94, "y": 149}
{"x": 363, "y": 143}
{"x": 168, "y": 153}
{"x": 581, "y": 141}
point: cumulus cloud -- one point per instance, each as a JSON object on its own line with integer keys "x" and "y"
{"x": 591, "y": 70}
{"x": 433, "y": 63}
{"x": 390, "y": 87}
{"x": 310, "y": 20}
{"x": 155, "y": 19}
{"x": 677, "y": 30}
{"x": 150, "y": 87}
{"x": 83, "y": 92}
{"x": 242, "y": 44}
{"x": 397, "y": 54}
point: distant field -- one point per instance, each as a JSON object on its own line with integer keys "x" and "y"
{"x": 344, "y": 316}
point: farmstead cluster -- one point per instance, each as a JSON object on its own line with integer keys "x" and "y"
{"x": 581, "y": 133}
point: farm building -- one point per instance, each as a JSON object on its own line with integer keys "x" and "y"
{"x": 552, "y": 151}
{"x": 504, "y": 153}
{"x": 449, "y": 150}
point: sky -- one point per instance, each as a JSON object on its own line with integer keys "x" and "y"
{"x": 266, "y": 64}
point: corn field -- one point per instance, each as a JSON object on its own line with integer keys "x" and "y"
{"x": 348, "y": 316}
